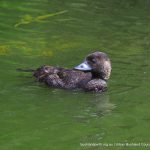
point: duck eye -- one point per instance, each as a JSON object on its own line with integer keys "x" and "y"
{"x": 93, "y": 61}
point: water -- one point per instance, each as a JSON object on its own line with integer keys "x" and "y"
{"x": 62, "y": 33}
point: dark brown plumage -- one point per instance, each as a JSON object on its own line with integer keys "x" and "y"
{"x": 91, "y": 75}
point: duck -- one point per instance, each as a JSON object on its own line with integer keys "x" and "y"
{"x": 91, "y": 75}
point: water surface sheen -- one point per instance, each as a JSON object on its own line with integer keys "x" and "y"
{"x": 61, "y": 33}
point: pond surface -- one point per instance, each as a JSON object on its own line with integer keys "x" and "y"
{"x": 61, "y": 33}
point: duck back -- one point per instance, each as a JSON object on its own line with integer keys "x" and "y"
{"x": 62, "y": 78}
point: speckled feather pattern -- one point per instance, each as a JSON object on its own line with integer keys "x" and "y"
{"x": 93, "y": 80}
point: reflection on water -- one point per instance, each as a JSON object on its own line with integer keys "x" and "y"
{"x": 103, "y": 105}
{"x": 98, "y": 106}
{"x": 62, "y": 33}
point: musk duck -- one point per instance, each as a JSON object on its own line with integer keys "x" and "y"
{"x": 91, "y": 75}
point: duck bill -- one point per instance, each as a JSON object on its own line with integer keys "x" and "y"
{"x": 83, "y": 66}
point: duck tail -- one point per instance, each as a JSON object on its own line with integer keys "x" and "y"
{"x": 25, "y": 70}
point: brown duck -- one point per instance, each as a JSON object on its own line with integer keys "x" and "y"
{"x": 91, "y": 75}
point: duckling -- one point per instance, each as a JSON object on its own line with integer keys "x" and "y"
{"x": 91, "y": 75}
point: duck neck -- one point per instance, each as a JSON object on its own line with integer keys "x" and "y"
{"x": 97, "y": 75}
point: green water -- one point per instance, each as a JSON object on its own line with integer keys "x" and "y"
{"x": 62, "y": 33}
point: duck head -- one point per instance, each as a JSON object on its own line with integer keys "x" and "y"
{"x": 98, "y": 63}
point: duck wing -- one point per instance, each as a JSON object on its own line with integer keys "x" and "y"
{"x": 43, "y": 72}
{"x": 62, "y": 78}
{"x": 73, "y": 78}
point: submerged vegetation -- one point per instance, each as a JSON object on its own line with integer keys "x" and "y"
{"x": 27, "y": 19}
{"x": 3, "y": 49}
